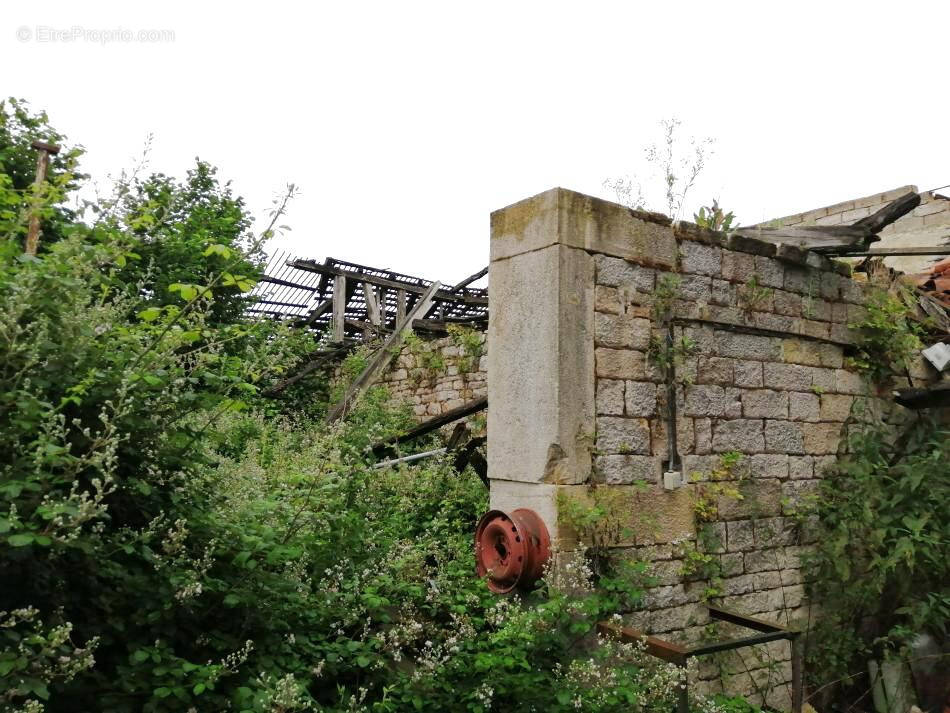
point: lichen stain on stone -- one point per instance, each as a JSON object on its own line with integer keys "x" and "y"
{"x": 514, "y": 220}
{"x": 555, "y": 464}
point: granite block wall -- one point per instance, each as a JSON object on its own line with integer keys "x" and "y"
{"x": 763, "y": 397}
{"x": 457, "y": 379}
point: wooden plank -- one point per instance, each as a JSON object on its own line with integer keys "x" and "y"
{"x": 316, "y": 313}
{"x": 381, "y": 356}
{"x": 659, "y": 648}
{"x": 470, "y": 279}
{"x": 432, "y": 424}
{"x": 893, "y": 211}
{"x": 810, "y": 237}
{"x": 400, "y": 306}
{"x": 372, "y": 306}
{"x": 895, "y": 252}
{"x": 285, "y": 283}
{"x": 936, "y": 396}
{"x": 339, "y": 307}
{"x": 311, "y": 266}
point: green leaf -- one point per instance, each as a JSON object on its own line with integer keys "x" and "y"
{"x": 216, "y": 249}
{"x": 198, "y": 689}
{"x": 150, "y": 314}
{"x": 22, "y": 539}
{"x": 363, "y": 661}
{"x": 140, "y": 656}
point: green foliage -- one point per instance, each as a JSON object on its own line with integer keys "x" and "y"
{"x": 753, "y": 297}
{"x": 880, "y": 568}
{"x": 177, "y": 545}
{"x": 888, "y": 338}
{"x": 470, "y": 345}
{"x": 713, "y": 218}
{"x": 186, "y": 232}
{"x": 19, "y": 128}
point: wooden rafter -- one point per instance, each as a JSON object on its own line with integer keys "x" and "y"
{"x": 382, "y": 355}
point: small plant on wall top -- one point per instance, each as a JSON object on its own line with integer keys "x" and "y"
{"x": 713, "y": 218}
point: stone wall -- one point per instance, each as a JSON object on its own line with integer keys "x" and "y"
{"x": 456, "y": 378}
{"x": 577, "y": 402}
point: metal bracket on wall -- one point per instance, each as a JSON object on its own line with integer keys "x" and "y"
{"x": 679, "y": 655}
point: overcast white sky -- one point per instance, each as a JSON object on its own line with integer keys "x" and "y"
{"x": 406, "y": 124}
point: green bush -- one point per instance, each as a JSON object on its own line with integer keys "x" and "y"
{"x": 176, "y": 545}
{"x": 880, "y": 570}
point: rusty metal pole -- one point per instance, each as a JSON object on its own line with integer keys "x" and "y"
{"x": 42, "y": 164}
{"x": 798, "y": 665}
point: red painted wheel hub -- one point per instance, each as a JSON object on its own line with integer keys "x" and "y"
{"x": 511, "y": 549}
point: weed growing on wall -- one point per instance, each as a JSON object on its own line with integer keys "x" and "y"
{"x": 887, "y": 338}
{"x": 470, "y": 345}
{"x": 879, "y": 568}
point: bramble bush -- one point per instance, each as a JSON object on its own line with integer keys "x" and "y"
{"x": 170, "y": 542}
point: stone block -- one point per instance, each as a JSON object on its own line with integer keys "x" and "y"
{"x": 760, "y": 498}
{"x": 831, "y": 355}
{"x": 801, "y": 467}
{"x": 737, "y": 267}
{"x": 764, "y": 403}
{"x": 747, "y": 346}
{"x": 731, "y": 564}
{"x": 765, "y": 560}
{"x": 620, "y": 364}
{"x": 773, "y": 532}
{"x": 607, "y": 300}
{"x": 743, "y": 584}
{"x": 715, "y": 370}
{"x": 743, "y": 435}
{"x": 801, "y": 351}
{"x": 626, "y": 469}
{"x": 617, "y": 272}
{"x": 740, "y": 536}
{"x": 702, "y": 429}
{"x": 849, "y": 382}
{"x": 766, "y": 465}
{"x": 769, "y": 272}
{"x": 788, "y": 377}
{"x": 821, "y": 438}
{"x": 640, "y": 398}
{"x": 852, "y": 292}
{"x": 803, "y": 406}
{"x": 621, "y": 331}
{"x": 696, "y": 258}
{"x": 684, "y": 436}
{"x": 695, "y": 288}
{"x": 787, "y": 303}
{"x": 610, "y": 397}
{"x": 830, "y": 285}
{"x": 836, "y": 407}
{"x": 723, "y": 293}
{"x": 748, "y": 374}
{"x": 622, "y": 435}
{"x": 563, "y": 217}
{"x": 704, "y": 400}
{"x": 784, "y": 437}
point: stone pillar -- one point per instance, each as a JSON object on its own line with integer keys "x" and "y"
{"x": 541, "y": 378}
{"x": 541, "y": 364}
